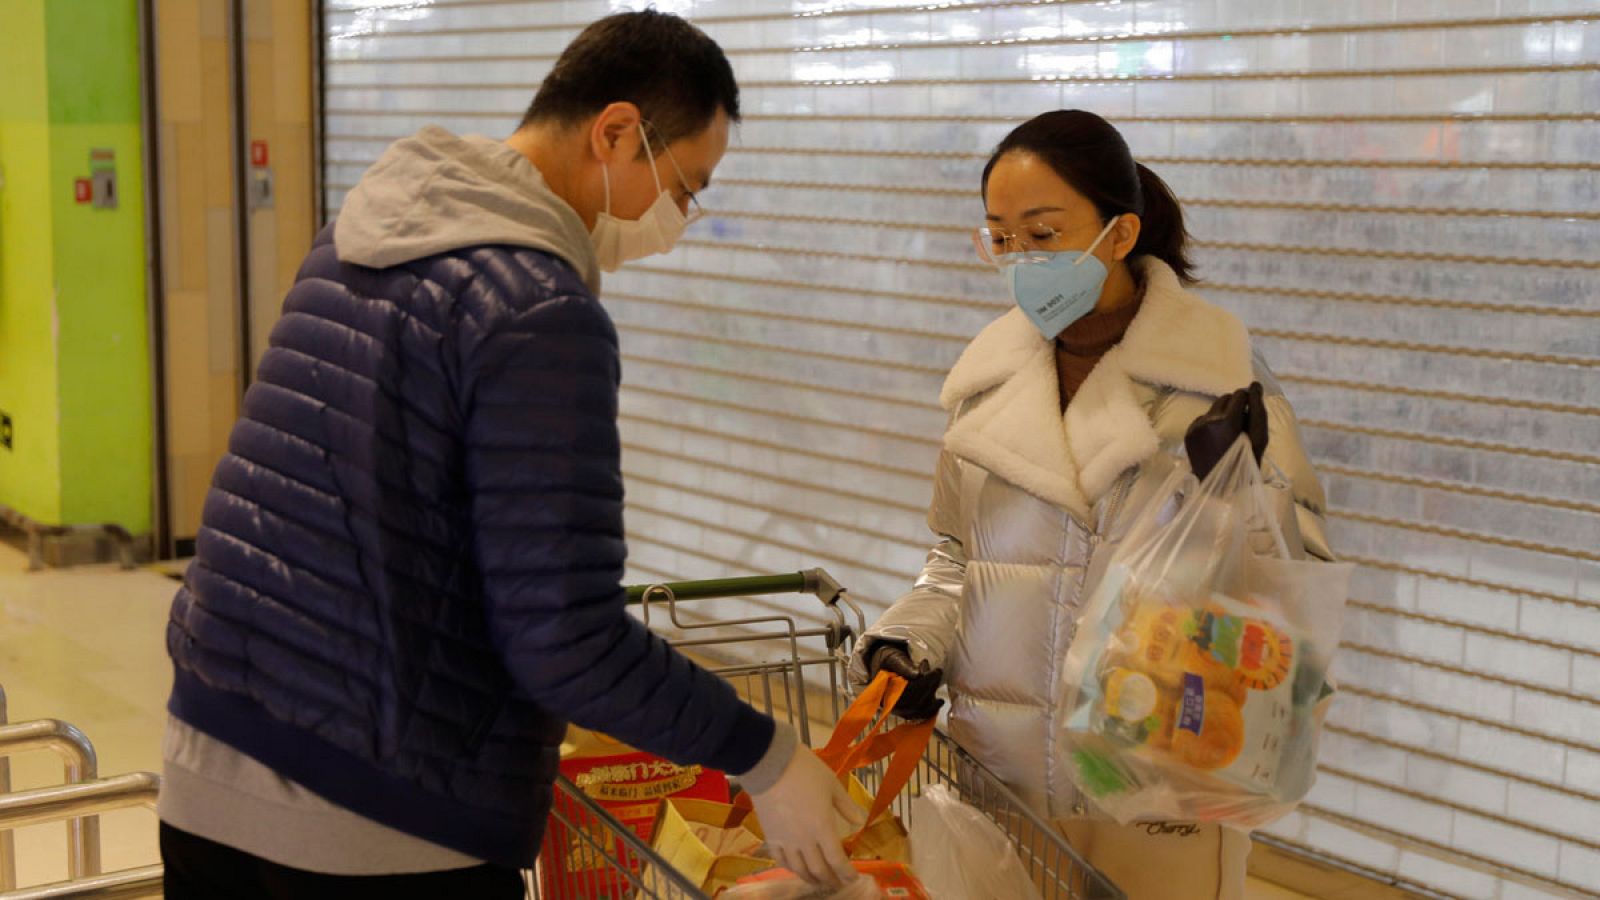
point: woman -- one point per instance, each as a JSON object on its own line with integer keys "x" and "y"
{"x": 1065, "y": 415}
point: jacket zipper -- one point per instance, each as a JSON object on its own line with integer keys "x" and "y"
{"x": 1120, "y": 494}
{"x": 1113, "y": 507}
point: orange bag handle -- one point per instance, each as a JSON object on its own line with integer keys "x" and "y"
{"x": 859, "y": 741}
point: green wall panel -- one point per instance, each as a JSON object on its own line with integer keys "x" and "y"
{"x": 104, "y": 365}
{"x": 104, "y": 351}
{"x": 74, "y": 345}
{"x": 30, "y": 473}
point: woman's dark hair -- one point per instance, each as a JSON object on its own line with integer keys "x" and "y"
{"x": 1089, "y": 154}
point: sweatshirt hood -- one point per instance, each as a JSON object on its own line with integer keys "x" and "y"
{"x": 435, "y": 192}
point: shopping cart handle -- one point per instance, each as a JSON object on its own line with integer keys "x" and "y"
{"x": 793, "y": 583}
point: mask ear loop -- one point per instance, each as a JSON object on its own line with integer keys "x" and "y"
{"x": 652, "y": 158}
{"x": 1103, "y": 232}
{"x": 605, "y": 171}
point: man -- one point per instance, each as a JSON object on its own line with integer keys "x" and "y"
{"x": 407, "y": 577}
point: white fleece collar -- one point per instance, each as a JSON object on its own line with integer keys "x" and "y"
{"x": 1008, "y": 373}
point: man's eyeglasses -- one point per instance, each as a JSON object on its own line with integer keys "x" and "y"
{"x": 696, "y": 212}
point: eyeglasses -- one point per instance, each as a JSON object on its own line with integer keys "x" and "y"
{"x": 696, "y": 211}
{"x": 999, "y": 246}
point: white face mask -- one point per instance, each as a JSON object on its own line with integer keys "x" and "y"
{"x": 618, "y": 241}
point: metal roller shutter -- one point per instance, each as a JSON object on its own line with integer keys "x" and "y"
{"x": 1400, "y": 196}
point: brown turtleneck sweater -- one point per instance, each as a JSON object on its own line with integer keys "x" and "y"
{"x": 1080, "y": 347}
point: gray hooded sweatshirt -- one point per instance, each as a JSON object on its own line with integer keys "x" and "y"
{"x": 435, "y": 192}
{"x": 427, "y": 194}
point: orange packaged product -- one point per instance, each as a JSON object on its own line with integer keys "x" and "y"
{"x": 885, "y": 880}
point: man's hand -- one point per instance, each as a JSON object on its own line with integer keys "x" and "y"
{"x": 799, "y": 815}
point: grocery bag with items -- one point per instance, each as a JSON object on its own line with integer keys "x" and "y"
{"x": 719, "y": 846}
{"x": 1194, "y": 683}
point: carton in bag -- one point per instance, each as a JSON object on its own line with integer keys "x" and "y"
{"x": 710, "y": 844}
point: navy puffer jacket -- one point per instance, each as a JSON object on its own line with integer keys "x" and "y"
{"x": 407, "y": 577}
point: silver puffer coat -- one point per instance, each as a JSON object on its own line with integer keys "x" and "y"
{"x": 1025, "y": 497}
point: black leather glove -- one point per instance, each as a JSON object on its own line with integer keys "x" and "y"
{"x": 918, "y": 703}
{"x": 1211, "y": 435}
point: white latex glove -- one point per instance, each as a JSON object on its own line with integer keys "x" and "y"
{"x": 799, "y": 815}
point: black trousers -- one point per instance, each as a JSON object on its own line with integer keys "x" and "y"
{"x": 198, "y": 869}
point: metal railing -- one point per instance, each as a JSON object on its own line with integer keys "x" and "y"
{"x": 128, "y": 884}
{"x": 52, "y": 804}
{"x": 81, "y": 801}
{"x": 79, "y": 765}
{"x": 8, "y": 849}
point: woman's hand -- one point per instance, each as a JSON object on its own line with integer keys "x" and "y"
{"x": 918, "y": 703}
{"x": 1211, "y": 435}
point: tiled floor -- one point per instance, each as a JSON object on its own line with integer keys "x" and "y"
{"x": 86, "y": 645}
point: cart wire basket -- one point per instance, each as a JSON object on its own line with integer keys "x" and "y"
{"x": 611, "y": 862}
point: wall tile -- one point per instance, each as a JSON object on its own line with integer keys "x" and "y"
{"x": 1403, "y": 814}
{"x": 1515, "y": 846}
{"x": 1350, "y": 844}
{"x": 1461, "y": 881}
{"x": 1457, "y": 784}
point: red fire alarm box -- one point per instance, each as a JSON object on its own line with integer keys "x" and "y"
{"x": 258, "y": 153}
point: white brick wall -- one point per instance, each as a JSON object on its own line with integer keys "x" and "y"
{"x": 1408, "y": 726}
{"x": 1462, "y": 693}
{"x": 1375, "y": 673}
{"x": 1581, "y": 865}
{"x": 1505, "y": 750}
{"x": 1291, "y": 827}
{"x": 1512, "y": 890}
{"x": 1424, "y": 639}
{"x": 1513, "y": 846}
{"x": 1589, "y": 580}
{"x": 1586, "y": 674}
{"x": 1583, "y": 771}
{"x": 1407, "y": 815}
{"x": 1554, "y": 575}
{"x": 1352, "y": 845}
{"x": 1491, "y": 609}
{"x": 1357, "y": 755}
{"x": 1566, "y": 623}
{"x": 1458, "y": 784}
{"x": 1449, "y": 876}
{"x": 1333, "y": 793}
{"x": 1519, "y": 660}
{"x": 1555, "y": 810}
{"x": 1558, "y": 715}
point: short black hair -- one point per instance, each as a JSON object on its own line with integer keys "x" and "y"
{"x": 674, "y": 72}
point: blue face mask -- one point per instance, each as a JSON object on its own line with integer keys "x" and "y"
{"x": 1056, "y": 289}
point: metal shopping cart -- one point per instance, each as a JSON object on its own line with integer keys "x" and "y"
{"x": 622, "y": 864}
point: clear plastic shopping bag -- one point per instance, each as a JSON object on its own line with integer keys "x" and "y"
{"x": 960, "y": 854}
{"x": 1191, "y": 688}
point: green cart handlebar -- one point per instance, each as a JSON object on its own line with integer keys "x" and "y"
{"x": 811, "y": 581}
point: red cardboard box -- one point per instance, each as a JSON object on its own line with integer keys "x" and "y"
{"x": 628, "y": 784}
